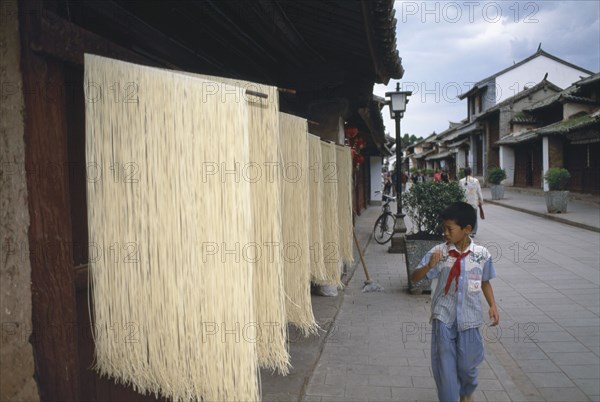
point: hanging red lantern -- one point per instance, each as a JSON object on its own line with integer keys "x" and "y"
{"x": 360, "y": 143}
{"x": 351, "y": 132}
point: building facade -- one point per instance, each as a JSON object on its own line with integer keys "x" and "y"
{"x": 327, "y": 65}
{"x": 504, "y": 85}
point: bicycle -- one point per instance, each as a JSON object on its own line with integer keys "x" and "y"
{"x": 384, "y": 225}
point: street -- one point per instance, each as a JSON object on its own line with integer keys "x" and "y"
{"x": 546, "y": 347}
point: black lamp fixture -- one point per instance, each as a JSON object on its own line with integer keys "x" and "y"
{"x": 397, "y": 105}
{"x": 397, "y": 102}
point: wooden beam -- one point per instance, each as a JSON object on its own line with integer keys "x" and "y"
{"x": 53, "y": 36}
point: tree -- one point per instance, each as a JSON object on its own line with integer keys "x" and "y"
{"x": 408, "y": 140}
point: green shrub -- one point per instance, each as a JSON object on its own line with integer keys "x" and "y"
{"x": 461, "y": 173}
{"x": 424, "y": 203}
{"x": 495, "y": 175}
{"x": 557, "y": 178}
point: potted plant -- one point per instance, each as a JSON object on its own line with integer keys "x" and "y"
{"x": 557, "y": 197}
{"x": 494, "y": 178}
{"x": 423, "y": 205}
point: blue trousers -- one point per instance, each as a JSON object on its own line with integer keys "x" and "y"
{"x": 455, "y": 356}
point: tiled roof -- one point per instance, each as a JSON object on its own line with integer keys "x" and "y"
{"x": 447, "y": 132}
{"x": 384, "y": 26}
{"x": 516, "y": 139}
{"x": 440, "y": 155}
{"x": 457, "y": 143}
{"x": 423, "y": 154}
{"x": 570, "y": 125}
{"x": 524, "y": 119}
{"x": 424, "y": 140}
{"x": 564, "y": 127}
{"x": 588, "y": 80}
{"x": 578, "y": 99}
{"x": 465, "y": 129}
{"x": 568, "y": 94}
{"x": 544, "y": 84}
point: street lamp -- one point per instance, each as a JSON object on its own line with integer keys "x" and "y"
{"x": 397, "y": 104}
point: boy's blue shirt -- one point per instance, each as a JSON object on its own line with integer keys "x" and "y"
{"x": 462, "y": 305}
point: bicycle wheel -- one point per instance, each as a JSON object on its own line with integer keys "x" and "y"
{"x": 384, "y": 228}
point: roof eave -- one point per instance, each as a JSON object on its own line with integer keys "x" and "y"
{"x": 380, "y": 27}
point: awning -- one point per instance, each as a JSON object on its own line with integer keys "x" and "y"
{"x": 458, "y": 143}
{"x": 517, "y": 139}
{"x": 466, "y": 129}
{"x": 572, "y": 124}
{"x": 423, "y": 154}
{"x": 441, "y": 155}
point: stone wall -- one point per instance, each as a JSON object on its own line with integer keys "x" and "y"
{"x": 16, "y": 354}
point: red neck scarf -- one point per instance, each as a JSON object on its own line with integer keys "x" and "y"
{"x": 455, "y": 270}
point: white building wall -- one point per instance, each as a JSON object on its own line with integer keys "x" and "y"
{"x": 507, "y": 162}
{"x": 376, "y": 178}
{"x": 391, "y": 160}
{"x": 473, "y": 155}
{"x": 532, "y": 72}
{"x": 545, "y": 161}
{"x": 569, "y": 109}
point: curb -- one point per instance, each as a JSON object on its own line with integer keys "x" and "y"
{"x": 547, "y": 216}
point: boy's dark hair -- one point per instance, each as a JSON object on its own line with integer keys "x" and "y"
{"x": 468, "y": 171}
{"x": 461, "y": 213}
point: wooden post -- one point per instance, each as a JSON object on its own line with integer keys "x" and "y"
{"x": 54, "y": 317}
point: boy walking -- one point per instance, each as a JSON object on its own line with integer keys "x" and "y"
{"x": 463, "y": 270}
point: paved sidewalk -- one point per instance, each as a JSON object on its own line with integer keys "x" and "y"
{"x": 546, "y": 348}
{"x": 305, "y": 351}
{"x": 583, "y": 210}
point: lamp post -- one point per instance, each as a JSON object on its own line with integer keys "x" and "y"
{"x": 397, "y": 104}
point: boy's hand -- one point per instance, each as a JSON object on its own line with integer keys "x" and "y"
{"x": 494, "y": 316}
{"x": 436, "y": 256}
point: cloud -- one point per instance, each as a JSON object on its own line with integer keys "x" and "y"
{"x": 446, "y": 45}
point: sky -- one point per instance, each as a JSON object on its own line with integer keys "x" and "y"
{"x": 445, "y": 45}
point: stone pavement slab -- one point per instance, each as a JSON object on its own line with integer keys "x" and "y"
{"x": 305, "y": 351}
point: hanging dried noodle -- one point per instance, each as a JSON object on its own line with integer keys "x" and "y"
{"x": 344, "y": 187}
{"x": 264, "y": 176}
{"x": 331, "y": 249}
{"x": 295, "y": 218}
{"x": 317, "y": 266}
{"x": 171, "y": 307}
